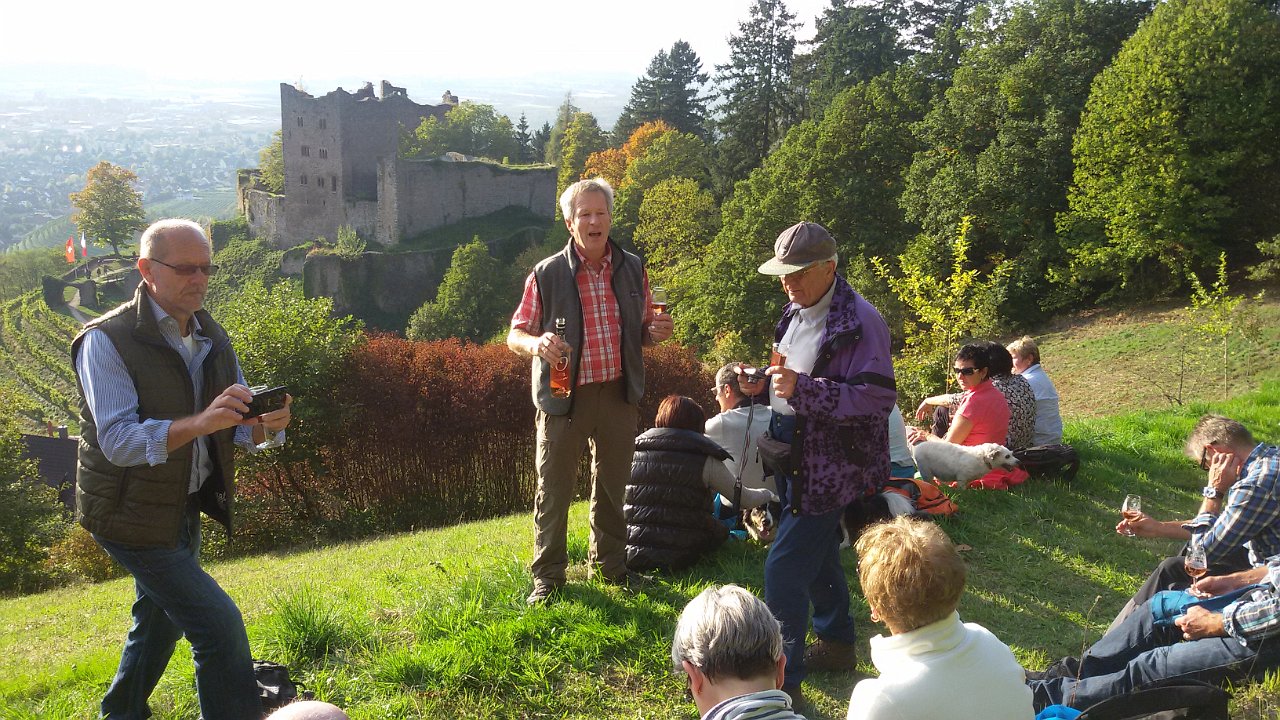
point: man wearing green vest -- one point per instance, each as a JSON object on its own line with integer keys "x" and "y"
{"x": 162, "y": 404}
{"x": 597, "y": 296}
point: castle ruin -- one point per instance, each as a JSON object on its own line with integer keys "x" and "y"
{"x": 342, "y": 166}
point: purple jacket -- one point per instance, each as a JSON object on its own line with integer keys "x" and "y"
{"x": 842, "y": 409}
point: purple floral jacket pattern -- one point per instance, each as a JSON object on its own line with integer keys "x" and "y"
{"x": 842, "y": 408}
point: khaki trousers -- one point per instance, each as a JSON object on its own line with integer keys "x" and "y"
{"x": 602, "y": 419}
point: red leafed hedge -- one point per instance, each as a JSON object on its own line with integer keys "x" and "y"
{"x": 441, "y": 431}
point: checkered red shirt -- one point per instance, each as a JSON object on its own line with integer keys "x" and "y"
{"x": 602, "y": 329}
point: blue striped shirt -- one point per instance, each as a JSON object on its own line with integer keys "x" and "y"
{"x": 113, "y": 400}
{"x": 1256, "y": 616}
{"x": 1251, "y": 515}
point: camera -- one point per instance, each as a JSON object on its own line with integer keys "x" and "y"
{"x": 265, "y": 400}
{"x": 753, "y": 375}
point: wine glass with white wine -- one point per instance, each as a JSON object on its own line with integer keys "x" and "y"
{"x": 1131, "y": 510}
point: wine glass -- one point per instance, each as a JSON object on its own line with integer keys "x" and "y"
{"x": 1131, "y": 510}
{"x": 1195, "y": 562}
{"x": 659, "y": 303}
{"x": 270, "y": 439}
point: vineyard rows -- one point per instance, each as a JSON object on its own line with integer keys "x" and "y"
{"x": 35, "y": 354}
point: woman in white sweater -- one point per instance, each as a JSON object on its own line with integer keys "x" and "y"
{"x": 932, "y": 665}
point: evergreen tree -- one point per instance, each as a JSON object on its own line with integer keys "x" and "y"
{"x": 757, "y": 104}
{"x": 555, "y": 134}
{"x": 539, "y": 141}
{"x": 1176, "y": 158}
{"x": 669, "y": 91}
{"x": 523, "y": 140}
{"x": 582, "y": 137}
{"x": 851, "y": 44}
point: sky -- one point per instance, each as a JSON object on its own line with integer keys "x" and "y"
{"x": 563, "y": 43}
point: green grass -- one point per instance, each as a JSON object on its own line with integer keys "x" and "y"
{"x": 433, "y": 622}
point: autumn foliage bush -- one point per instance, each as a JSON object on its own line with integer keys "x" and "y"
{"x": 436, "y": 432}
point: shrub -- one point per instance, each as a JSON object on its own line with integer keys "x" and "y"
{"x": 30, "y": 514}
{"x": 78, "y": 556}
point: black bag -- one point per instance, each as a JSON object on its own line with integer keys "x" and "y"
{"x": 1042, "y": 460}
{"x": 775, "y": 455}
{"x": 275, "y": 688}
{"x": 1176, "y": 699}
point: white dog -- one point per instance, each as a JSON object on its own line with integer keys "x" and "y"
{"x": 949, "y": 462}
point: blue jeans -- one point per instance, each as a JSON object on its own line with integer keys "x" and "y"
{"x": 1137, "y": 653}
{"x": 804, "y": 568}
{"x": 175, "y": 597}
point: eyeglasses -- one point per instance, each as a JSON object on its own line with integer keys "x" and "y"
{"x": 799, "y": 274}
{"x": 966, "y": 371}
{"x": 188, "y": 269}
{"x": 1204, "y": 458}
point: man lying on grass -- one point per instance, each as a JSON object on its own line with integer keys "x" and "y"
{"x": 1241, "y": 640}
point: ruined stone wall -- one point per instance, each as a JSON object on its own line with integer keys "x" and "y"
{"x": 266, "y": 217}
{"x": 381, "y": 289}
{"x": 419, "y": 195}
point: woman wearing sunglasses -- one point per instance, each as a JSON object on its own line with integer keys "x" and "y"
{"x": 982, "y": 416}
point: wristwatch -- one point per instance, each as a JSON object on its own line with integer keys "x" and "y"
{"x": 1211, "y": 492}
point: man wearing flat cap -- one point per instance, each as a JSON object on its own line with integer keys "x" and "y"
{"x": 831, "y": 399}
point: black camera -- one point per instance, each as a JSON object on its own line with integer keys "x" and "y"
{"x": 265, "y": 400}
{"x": 753, "y": 375}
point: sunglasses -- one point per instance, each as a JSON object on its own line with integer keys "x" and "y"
{"x": 966, "y": 371}
{"x": 188, "y": 269}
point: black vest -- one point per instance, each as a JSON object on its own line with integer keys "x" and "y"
{"x": 667, "y": 505}
{"x": 558, "y": 291}
{"x": 144, "y": 505}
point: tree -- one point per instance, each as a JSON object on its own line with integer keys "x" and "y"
{"x": 524, "y": 141}
{"x": 669, "y": 91}
{"x": 555, "y": 134}
{"x": 756, "y": 102}
{"x": 582, "y": 137}
{"x": 30, "y": 514}
{"x": 109, "y": 208}
{"x": 851, "y": 44}
{"x": 539, "y": 142}
{"x": 469, "y": 128}
{"x": 470, "y": 303}
{"x": 668, "y": 155}
{"x": 999, "y": 138}
{"x": 678, "y": 220}
{"x": 1176, "y": 160}
{"x": 271, "y": 164}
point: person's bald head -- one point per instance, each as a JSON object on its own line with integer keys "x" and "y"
{"x": 308, "y": 710}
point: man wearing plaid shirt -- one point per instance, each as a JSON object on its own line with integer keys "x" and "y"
{"x": 1243, "y": 640}
{"x": 601, "y": 292}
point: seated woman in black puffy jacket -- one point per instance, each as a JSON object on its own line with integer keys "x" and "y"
{"x": 674, "y": 476}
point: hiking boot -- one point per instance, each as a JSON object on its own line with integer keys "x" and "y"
{"x": 831, "y": 655}
{"x": 542, "y": 592}
{"x": 798, "y": 702}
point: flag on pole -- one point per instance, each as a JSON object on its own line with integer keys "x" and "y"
{"x": 84, "y": 249}
{"x": 71, "y": 248}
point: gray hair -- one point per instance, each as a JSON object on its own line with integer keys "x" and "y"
{"x": 1216, "y": 430}
{"x": 1025, "y": 347}
{"x": 728, "y": 375}
{"x": 727, "y": 632}
{"x": 570, "y": 195}
{"x": 153, "y": 238}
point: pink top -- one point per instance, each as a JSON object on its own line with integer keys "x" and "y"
{"x": 986, "y": 408}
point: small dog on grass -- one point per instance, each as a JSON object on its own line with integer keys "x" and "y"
{"x": 762, "y": 522}
{"x": 949, "y": 462}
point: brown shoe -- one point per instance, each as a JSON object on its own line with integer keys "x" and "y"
{"x": 798, "y": 702}
{"x": 831, "y": 655}
{"x": 542, "y": 592}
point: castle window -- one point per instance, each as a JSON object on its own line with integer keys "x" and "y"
{"x": 323, "y": 123}
{"x": 333, "y": 182}
{"x": 299, "y": 121}
{"x": 306, "y": 151}
{"x": 324, "y": 154}
{"x": 303, "y": 180}
{"x": 320, "y": 181}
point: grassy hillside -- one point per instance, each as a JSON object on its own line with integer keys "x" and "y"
{"x": 203, "y": 207}
{"x": 434, "y": 623}
{"x": 35, "y": 346}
